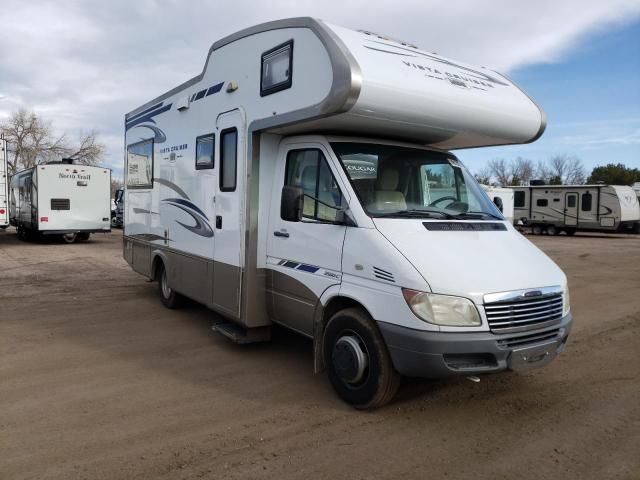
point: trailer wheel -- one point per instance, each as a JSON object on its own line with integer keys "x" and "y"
{"x": 358, "y": 363}
{"x": 536, "y": 229}
{"x": 84, "y": 237}
{"x": 552, "y": 230}
{"x": 69, "y": 237}
{"x": 571, "y": 232}
{"x": 170, "y": 299}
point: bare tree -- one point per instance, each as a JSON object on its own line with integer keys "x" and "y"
{"x": 568, "y": 170}
{"x": 32, "y": 142}
{"x": 500, "y": 170}
{"x": 542, "y": 171}
{"x": 484, "y": 176}
{"x": 115, "y": 185}
{"x": 522, "y": 170}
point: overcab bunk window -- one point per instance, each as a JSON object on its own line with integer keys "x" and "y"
{"x": 204, "y": 152}
{"x": 275, "y": 70}
{"x": 140, "y": 165}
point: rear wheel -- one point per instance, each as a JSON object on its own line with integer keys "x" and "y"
{"x": 571, "y": 232}
{"x": 84, "y": 237}
{"x": 170, "y": 299}
{"x": 552, "y": 230}
{"x": 536, "y": 230}
{"x": 358, "y": 363}
{"x": 69, "y": 237}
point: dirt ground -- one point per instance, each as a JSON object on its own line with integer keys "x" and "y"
{"x": 98, "y": 380}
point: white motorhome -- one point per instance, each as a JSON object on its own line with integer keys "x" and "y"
{"x": 4, "y": 185}
{"x": 72, "y": 201}
{"x": 502, "y": 197}
{"x": 304, "y": 179}
{"x": 551, "y": 209}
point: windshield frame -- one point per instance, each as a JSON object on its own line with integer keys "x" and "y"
{"x": 489, "y": 211}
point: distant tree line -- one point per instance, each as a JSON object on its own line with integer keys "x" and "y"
{"x": 32, "y": 141}
{"x": 558, "y": 170}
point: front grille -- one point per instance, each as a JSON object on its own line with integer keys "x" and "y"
{"x": 524, "y": 340}
{"x": 524, "y": 314}
{"x": 60, "y": 204}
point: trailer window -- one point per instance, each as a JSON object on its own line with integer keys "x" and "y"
{"x": 204, "y": 151}
{"x": 275, "y": 71}
{"x": 140, "y": 164}
{"x": 518, "y": 199}
{"x": 228, "y": 159}
{"x": 542, "y": 202}
{"x": 571, "y": 201}
{"x": 586, "y": 202}
{"x": 308, "y": 169}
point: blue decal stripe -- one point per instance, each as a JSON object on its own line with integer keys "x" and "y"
{"x": 201, "y": 94}
{"x": 150, "y": 109}
{"x": 291, "y": 264}
{"x": 215, "y": 89}
{"x": 148, "y": 117}
{"x": 308, "y": 268}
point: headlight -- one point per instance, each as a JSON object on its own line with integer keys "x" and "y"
{"x": 442, "y": 309}
{"x": 566, "y": 304}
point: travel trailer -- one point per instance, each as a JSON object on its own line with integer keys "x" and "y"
{"x": 60, "y": 199}
{"x": 502, "y": 197}
{"x": 552, "y": 209}
{"x": 304, "y": 179}
{"x": 4, "y": 185}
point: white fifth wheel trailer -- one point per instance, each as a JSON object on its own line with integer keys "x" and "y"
{"x": 4, "y": 185}
{"x": 502, "y": 197}
{"x": 552, "y": 209}
{"x": 304, "y": 179}
{"x": 61, "y": 199}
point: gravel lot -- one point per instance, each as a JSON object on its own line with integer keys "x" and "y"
{"x": 98, "y": 380}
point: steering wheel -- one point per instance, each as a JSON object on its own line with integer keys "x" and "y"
{"x": 442, "y": 199}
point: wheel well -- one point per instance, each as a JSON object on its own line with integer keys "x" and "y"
{"x": 340, "y": 303}
{"x": 155, "y": 266}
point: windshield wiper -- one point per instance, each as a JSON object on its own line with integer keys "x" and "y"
{"x": 415, "y": 213}
{"x": 477, "y": 215}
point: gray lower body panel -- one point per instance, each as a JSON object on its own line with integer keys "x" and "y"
{"x": 418, "y": 353}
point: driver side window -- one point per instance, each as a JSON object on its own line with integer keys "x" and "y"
{"x": 308, "y": 169}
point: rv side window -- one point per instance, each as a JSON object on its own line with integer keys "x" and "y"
{"x": 140, "y": 165}
{"x": 228, "y": 159}
{"x": 542, "y": 202}
{"x": 275, "y": 69}
{"x": 518, "y": 199}
{"x": 586, "y": 202}
{"x": 308, "y": 169}
{"x": 204, "y": 151}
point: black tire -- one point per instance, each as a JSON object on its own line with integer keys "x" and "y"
{"x": 364, "y": 384}
{"x": 552, "y": 230}
{"x": 170, "y": 298}
{"x": 84, "y": 237}
{"x": 70, "y": 237}
{"x": 536, "y": 230}
{"x": 570, "y": 232}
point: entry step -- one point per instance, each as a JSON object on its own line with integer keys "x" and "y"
{"x": 240, "y": 335}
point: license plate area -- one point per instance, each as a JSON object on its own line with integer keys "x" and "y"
{"x": 533, "y": 357}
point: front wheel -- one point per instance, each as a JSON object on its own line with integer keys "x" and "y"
{"x": 168, "y": 296}
{"x": 358, "y": 363}
{"x": 69, "y": 237}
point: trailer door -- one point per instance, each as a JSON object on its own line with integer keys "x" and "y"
{"x": 571, "y": 208}
{"x": 229, "y": 229}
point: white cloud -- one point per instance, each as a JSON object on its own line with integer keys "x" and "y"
{"x": 83, "y": 65}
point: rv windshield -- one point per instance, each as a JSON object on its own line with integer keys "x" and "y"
{"x": 402, "y": 182}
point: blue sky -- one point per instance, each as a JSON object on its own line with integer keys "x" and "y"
{"x": 592, "y": 101}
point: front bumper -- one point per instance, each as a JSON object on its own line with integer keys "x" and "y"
{"x": 419, "y": 353}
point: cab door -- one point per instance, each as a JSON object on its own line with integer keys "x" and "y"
{"x": 571, "y": 208}
{"x": 229, "y": 224}
{"x": 304, "y": 258}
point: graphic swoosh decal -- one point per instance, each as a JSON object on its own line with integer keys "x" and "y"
{"x": 159, "y": 137}
{"x": 172, "y": 186}
{"x": 202, "y": 226}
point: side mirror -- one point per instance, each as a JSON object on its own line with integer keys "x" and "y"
{"x": 498, "y": 203}
{"x": 291, "y": 203}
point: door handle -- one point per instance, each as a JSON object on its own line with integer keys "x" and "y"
{"x": 281, "y": 234}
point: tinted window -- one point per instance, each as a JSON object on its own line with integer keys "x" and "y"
{"x": 586, "y": 202}
{"x": 204, "y": 152}
{"x": 308, "y": 169}
{"x": 518, "y": 199}
{"x": 276, "y": 69}
{"x": 571, "y": 201}
{"x": 228, "y": 159}
{"x": 542, "y": 202}
{"x": 140, "y": 165}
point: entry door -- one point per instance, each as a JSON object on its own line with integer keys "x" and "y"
{"x": 304, "y": 258}
{"x": 229, "y": 222}
{"x": 571, "y": 209}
